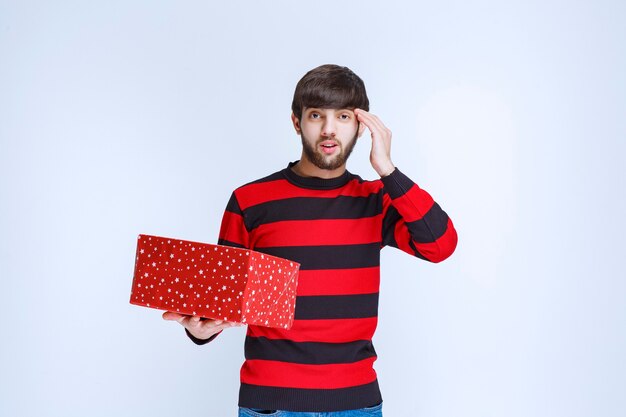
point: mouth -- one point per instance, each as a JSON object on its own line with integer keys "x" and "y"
{"x": 329, "y": 147}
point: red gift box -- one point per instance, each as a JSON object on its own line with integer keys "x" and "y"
{"x": 214, "y": 281}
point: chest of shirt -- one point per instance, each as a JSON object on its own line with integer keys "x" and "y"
{"x": 342, "y": 220}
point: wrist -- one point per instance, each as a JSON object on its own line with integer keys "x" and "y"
{"x": 385, "y": 170}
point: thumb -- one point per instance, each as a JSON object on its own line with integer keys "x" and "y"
{"x": 168, "y": 315}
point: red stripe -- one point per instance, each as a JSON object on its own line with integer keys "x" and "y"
{"x": 402, "y": 237}
{"x": 291, "y": 375}
{"x": 414, "y": 204}
{"x": 318, "y": 232}
{"x": 339, "y": 281}
{"x": 263, "y": 192}
{"x": 328, "y": 331}
{"x": 233, "y": 229}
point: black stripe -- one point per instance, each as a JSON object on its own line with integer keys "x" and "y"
{"x": 314, "y": 353}
{"x": 416, "y": 252}
{"x": 233, "y": 205}
{"x": 311, "y": 400}
{"x": 320, "y": 307}
{"x": 330, "y": 256}
{"x": 312, "y": 208}
{"x": 230, "y": 243}
{"x": 389, "y": 227}
{"x": 430, "y": 227}
{"x": 397, "y": 184}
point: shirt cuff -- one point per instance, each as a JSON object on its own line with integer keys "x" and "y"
{"x": 201, "y": 341}
{"x": 397, "y": 184}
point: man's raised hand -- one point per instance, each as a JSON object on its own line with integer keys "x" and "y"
{"x": 380, "y": 155}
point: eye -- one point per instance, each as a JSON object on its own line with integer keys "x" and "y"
{"x": 314, "y": 115}
{"x": 344, "y": 116}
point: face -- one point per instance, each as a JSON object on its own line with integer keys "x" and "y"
{"x": 328, "y": 136}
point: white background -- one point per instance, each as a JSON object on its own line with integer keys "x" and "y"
{"x": 127, "y": 117}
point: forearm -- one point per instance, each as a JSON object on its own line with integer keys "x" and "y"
{"x": 422, "y": 227}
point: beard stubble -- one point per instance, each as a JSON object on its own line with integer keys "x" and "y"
{"x": 318, "y": 159}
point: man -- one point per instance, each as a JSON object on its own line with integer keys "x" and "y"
{"x": 334, "y": 224}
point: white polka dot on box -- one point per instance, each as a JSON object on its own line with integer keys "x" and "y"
{"x": 214, "y": 281}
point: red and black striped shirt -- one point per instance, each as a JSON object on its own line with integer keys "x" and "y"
{"x": 335, "y": 228}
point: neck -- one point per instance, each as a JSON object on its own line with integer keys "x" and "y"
{"x": 306, "y": 168}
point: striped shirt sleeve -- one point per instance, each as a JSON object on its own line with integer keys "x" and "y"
{"x": 414, "y": 222}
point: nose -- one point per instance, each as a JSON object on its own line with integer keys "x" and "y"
{"x": 329, "y": 128}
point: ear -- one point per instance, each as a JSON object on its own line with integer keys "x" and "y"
{"x": 361, "y": 129}
{"x": 296, "y": 123}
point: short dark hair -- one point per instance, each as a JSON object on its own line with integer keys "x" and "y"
{"x": 330, "y": 87}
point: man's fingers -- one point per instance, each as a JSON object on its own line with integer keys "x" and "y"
{"x": 368, "y": 118}
{"x": 373, "y": 123}
{"x": 198, "y": 325}
{"x": 364, "y": 117}
{"x": 380, "y": 157}
{"x": 168, "y": 315}
{"x": 191, "y": 321}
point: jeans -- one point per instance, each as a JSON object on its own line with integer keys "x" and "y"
{"x": 375, "y": 411}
